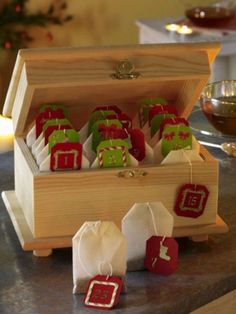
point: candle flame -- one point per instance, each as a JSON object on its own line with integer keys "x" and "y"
{"x": 6, "y": 127}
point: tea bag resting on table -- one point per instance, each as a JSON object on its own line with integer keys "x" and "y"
{"x": 98, "y": 248}
{"x": 138, "y": 227}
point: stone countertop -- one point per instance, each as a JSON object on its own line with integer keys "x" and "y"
{"x": 33, "y": 285}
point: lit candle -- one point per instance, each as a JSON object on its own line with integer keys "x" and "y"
{"x": 172, "y": 27}
{"x": 184, "y": 30}
{"x": 6, "y": 134}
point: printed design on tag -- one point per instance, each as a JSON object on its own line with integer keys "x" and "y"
{"x": 161, "y": 255}
{"x": 114, "y": 155}
{"x": 66, "y": 156}
{"x": 169, "y": 136}
{"x": 108, "y": 132}
{"x": 176, "y": 137}
{"x": 172, "y": 121}
{"x": 191, "y": 200}
{"x": 103, "y": 292}
{"x": 146, "y": 105}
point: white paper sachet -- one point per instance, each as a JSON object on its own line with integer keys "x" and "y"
{"x": 138, "y": 227}
{"x": 98, "y": 248}
{"x": 36, "y": 143}
{"x": 87, "y": 149}
{"x": 83, "y": 133}
{"x": 31, "y": 137}
{"x": 181, "y": 156}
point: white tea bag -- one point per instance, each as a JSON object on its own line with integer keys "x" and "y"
{"x": 99, "y": 247}
{"x": 181, "y": 156}
{"x": 139, "y": 224}
{"x": 31, "y": 136}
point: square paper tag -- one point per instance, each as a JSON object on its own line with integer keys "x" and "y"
{"x": 109, "y": 107}
{"x": 113, "y": 153}
{"x": 191, "y": 200}
{"x": 157, "y": 119}
{"x": 145, "y": 105}
{"x": 103, "y": 292}
{"x": 161, "y": 109}
{"x": 66, "y": 156}
{"x": 176, "y": 137}
{"x": 63, "y": 136}
{"x": 125, "y": 120}
{"x": 101, "y": 126}
{"x": 97, "y": 115}
{"x": 173, "y": 121}
{"x": 42, "y": 117}
{"x": 161, "y": 255}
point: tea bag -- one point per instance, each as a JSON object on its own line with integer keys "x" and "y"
{"x": 47, "y": 112}
{"x": 138, "y": 227}
{"x": 98, "y": 248}
{"x": 63, "y": 152}
{"x": 112, "y": 154}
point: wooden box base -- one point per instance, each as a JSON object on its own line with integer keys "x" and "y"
{"x": 44, "y": 246}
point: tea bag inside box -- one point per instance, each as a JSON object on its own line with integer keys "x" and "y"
{"x": 98, "y": 248}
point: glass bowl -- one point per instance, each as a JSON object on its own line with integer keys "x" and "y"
{"x": 210, "y": 16}
{"x": 218, "y": 103}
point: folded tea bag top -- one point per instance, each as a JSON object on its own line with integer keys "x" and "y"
{"x": 138, "y": 226}
{"x": 99, "y": 247}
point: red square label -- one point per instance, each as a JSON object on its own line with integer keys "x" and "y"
{"x": 191, "y": 200}
{"x": 66, "y": 156}
{"x": 103, "y": 292}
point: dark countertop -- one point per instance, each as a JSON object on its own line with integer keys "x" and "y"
{"x": 33, "y": 285}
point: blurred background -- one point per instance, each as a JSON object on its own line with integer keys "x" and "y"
{"x": 48, "y": 23}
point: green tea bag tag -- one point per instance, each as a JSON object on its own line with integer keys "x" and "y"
{"x": 176, "y": 137}
{"x": 97, "y": 135}
{"x": 113, "y": 153}
{"x": 62, "y": 136}
{"x": 98, "y": 115}
{"x": 53, "y": 122}
{"x": 157, "y": 119}
{"x": 145, "y": 106}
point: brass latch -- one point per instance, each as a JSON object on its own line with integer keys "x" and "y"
{"x": 125, "y": 71}
{"x": 134, "y": 173}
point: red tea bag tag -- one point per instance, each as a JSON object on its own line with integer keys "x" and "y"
{"x": 191, "y": 200}
{"x": 138, "y": 144}
{"x": 161, "y": 255}
{"x": 160, "y": 109}
{"x": 107, "y": 108}
{"x": 42, "y": 117}
{"x": 103, "y": 292}
{"x": 125, "y": 120}
{"x": 66, "y": 156}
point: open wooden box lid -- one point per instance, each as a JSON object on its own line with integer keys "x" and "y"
{"x": 81, "y": 78}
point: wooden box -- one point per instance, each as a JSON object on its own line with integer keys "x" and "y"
{"x": 48, "y": 208}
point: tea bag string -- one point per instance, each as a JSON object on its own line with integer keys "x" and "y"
{"x": 100, "y": 268}
{"x": 190, "y": 165}
{"x": 87, "y": 228}
{"x": 154, "y": 222}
